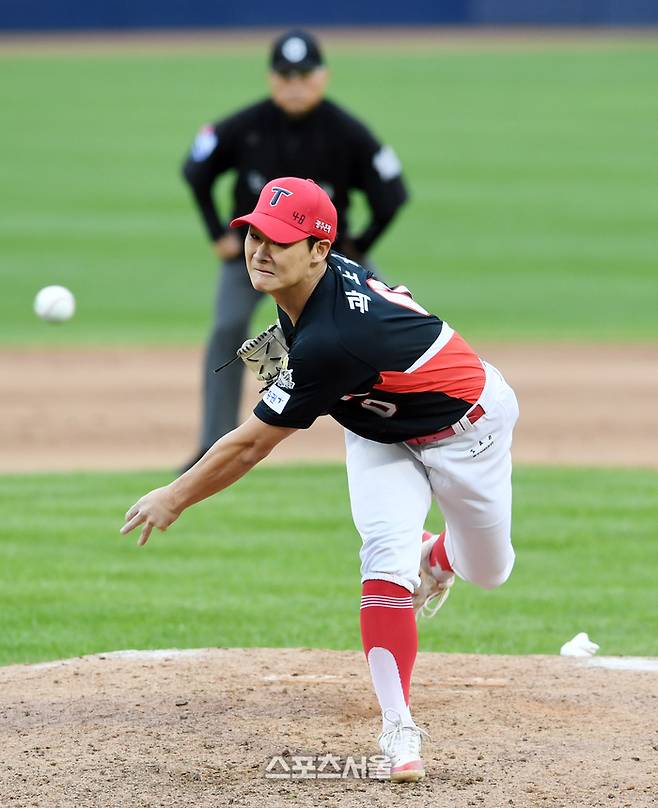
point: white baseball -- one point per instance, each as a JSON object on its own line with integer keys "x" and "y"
{"x": 54, "y": 304}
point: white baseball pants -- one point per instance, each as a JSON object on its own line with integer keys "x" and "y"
{"x": 469, "y": 475}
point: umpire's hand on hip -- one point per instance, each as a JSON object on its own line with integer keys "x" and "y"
{"x": 229, "y": 246}
{"x": 155, "y": 509}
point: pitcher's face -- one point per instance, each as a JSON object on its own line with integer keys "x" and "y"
{"x": 273, "y": 266}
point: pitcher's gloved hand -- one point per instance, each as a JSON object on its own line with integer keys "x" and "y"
{"x": 265, "y": 355}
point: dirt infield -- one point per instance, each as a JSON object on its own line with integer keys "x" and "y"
{"x": 199, "y": 729}
{"x": 138, "y": 408}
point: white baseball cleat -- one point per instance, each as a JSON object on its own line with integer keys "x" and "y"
{"x": 434, "y": 586}
{"x": 401, "y": 744}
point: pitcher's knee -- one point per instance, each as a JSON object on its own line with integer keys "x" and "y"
{"x": 493, "y": 577}
{"x": 492, "y": 581}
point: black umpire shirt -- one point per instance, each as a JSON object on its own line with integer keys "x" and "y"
{"x": 327, "y": 145}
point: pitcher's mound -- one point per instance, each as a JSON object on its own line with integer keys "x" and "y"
{"x": 202, "y": 728}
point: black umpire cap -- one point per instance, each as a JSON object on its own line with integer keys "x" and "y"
{"x": 296, "y": 51}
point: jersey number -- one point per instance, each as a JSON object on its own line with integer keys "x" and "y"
{"x": 399, "y": 295}
{"x": 383, "y": 408}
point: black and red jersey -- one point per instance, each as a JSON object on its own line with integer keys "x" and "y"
{"x": 371, "y": 357}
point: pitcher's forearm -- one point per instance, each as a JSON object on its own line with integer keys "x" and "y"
{"x": 226, "y": 461}
{"x": 213, "y": 473}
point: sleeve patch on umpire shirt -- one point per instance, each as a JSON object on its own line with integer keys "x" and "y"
{"x": 387, "y": 164}
{"x": 204, "y": 144}
{"x": 276, "y": 399}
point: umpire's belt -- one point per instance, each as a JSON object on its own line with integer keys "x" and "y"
{"x": 455, "y": 429}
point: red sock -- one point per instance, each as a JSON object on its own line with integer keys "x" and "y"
{"x": 390, "y": 642}
{"x": 438, "y": 556}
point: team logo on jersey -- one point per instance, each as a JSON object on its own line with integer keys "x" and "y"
{"x": 284, "y": 379}
{"x": 204, "y": 144}
{"x": 277, "y": 193}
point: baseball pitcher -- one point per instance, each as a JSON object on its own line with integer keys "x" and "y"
{"x": 424, "y": 416}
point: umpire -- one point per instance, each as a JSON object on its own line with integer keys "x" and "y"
{"x": 294, "y": 132}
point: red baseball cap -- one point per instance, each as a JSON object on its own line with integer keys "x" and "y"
{"x": 290, "y": 209}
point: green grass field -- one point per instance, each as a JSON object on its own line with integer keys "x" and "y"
{"x": 534, "y": 210}
{"x": 533, "y": 176}
{"x": 228, "y": 574}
